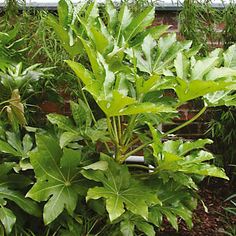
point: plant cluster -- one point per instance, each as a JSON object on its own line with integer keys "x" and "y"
{"x": 75, "y": 176}
{"x": 208, "y": 26}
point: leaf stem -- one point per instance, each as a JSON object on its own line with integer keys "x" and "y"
{"x": 119, "y": 128}
{"x": 86, "y": 101}
{"x": 9, "y": 100}
{"x": 165, "y": 134}
{"x": 186, "y": 123}
{"x": 115, "y": 130}
{"x": 110, "y": 129}
{"x": 129, "y": 129}
{"x": 140, "y": 166}
{"x": 107, "y": 147}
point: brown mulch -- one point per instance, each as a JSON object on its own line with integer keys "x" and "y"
{"x": 205, "y": 224}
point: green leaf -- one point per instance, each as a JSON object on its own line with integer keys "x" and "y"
{"x": 7, "y": 148}
{"x": 157, "y": 144}
{"x": 230, "y": 57}
{"x": 100, "y": 40}
{"x": 177, "y": 201}
{"x": 65, "y": 12}
{"x": 81, "y": 114}
{"x": 181, "y": 147}
{"x": 202, "y": 67}
{"x": 26, "y": 204}
{"x": 174, "y": 159}
{"x": 188, "y": 146}
{"x": 27, "y": 143}
{"x": 197, "y": 88}
{"x": 155, "y": 32}
{"x": 170, "y": 217}
{"x": 100, "y": 165}
{"x": 164, "y": 45}
{"x": 139, "y": 22}
{"x": 145, "y": 107}
{"x": 63, "y": 122}
{"x": 5, "y": 168}
{"x": 182, "y": 66}
{"x": 112, "y": 106}
{"x": 146, "y": 228}
{"x": 82, "y": 73}
{"x": 220, "y": 98}
{"x": 91, "y": 13}
{"x": 92, "y": 55}
{"x": 64, "y": 37}
{"x": 147, "y": 48}
{"x": 112, "y": 15}
{"x": 127, "y": 228}
{"x": 222, "y": 72}
{"x": 68, "y": 137}
{"x": 124, "y": 17}
{"x": 7, "y": 218}
{"x": 57, "y": 177}
{"x": 120, "y": 190}
{"x": 155, "y": 58}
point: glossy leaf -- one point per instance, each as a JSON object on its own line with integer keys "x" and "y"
{"x": 197, "y": 88}
{"x": 65, "y": 12}
{"x": 121, "y": 191}
{"x": 57, "y": 177}
{"x": 182, "y": 66}
{"x": 8, "y": 191}
{"x": 112, "y": 15}
{"x": 63, "y": 122}
{"x": 7, "y": 218}
{"x": 230, "y": 57}
{"x": 174, "y": 159}
{"x": 82, "y": 73}
{"x": 202, "y": 67}
{"x": 139, "y": 23}
{"x": 177, "y": 201}
{"x": 68, "y": 137}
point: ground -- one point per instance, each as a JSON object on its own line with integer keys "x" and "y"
{"x": 213, "y": 193}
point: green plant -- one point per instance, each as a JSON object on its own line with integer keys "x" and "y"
{"x": 81, "y": 173}
{"x": 221, "y": 130}
{"x": 18, "y": 86}
{"x": 198, "y": 22}
{"x": 126, "y": 67}
{"x": 229, "y": 36}
{"x": 37, "y": 44}
{"x": 11, "y": 48}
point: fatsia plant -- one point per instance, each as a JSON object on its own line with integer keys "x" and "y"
{"x": 129, "y": 69}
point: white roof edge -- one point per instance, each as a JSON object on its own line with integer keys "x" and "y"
{"x": 164, "y": 4}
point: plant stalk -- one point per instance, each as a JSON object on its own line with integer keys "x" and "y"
{"x": 165, "y": 134}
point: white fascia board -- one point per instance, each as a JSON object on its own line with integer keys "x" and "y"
{"x": 160, "y": 4}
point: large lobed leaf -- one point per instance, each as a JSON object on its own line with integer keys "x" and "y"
{"x": 204, "y": 77}
{"x": 185, "y": 157}
{"x": 120, "y": 190}
{"x": 177, "y": 201}
{"x": 58, "y": 180}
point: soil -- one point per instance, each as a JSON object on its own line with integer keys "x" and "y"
{"x": 213, "y": 194}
